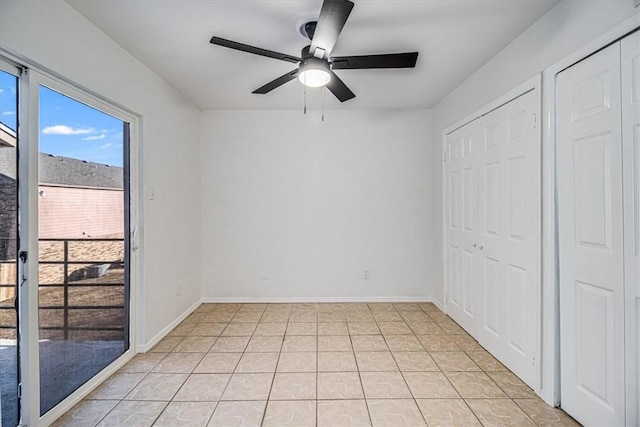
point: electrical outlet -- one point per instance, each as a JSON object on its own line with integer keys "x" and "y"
{"x": 367, "y": 274}
{"x": 179, "y": 289}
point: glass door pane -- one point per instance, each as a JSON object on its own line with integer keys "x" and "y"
{"x": 9, "y": 373}
{"x": 82, "y": 223}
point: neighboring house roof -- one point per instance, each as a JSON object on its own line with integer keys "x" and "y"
{"x": 7, "y": 136}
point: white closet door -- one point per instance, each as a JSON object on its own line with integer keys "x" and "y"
{"x": 589, "y": 189}
{"x": 509, "y": 235}
{"x": 462, "y": 184}
{"x": 630, "y": 61}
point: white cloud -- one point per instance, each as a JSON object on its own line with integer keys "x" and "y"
{"x": 94, "y": 137}
{"x": 66, "y": 130}
{"x": 105, "y": 146}
{"x": 8, "y": 113}
{"x": 1, "y": 90}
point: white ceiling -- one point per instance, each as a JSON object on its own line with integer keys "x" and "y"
{"x": 453, "y": 37}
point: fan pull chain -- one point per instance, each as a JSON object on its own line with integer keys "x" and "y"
{"x": 322, "y": 90}
{"x": 305, "y": 94}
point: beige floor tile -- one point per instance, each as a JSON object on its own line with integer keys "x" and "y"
{"x": 117, "y": 386}
{"x": 86, "y": 413}
{"x": 544, "y": 415}
{"x": 270, "y": 329}
{"x": 303, "y": 317}
{"x": 452, "y": 329}
{"x": 466, "y": 342}
{"x": 333, "y": 328}
{"x": 297, "y": 413}
{"x": 403, "y": 343}
{"x": 429, "y": 307}
{"x": 394, "y": 328}
{"x": 339, "y": 385}
{"x": 447, "y": 413}
{"x": 179, "y": 363}
{"x": 336, "y": 361}
{"x": 384, "y": 385}
{"x": 438, "y": 343}
{"x": 157, "y": 387}
{"x": 512, "y": 385}
{"x": 363, "y": 328}
{"x": 208, "y": 329}
{"x": 239, "y": 329}
{"x": 475, "y": 385}
{"x": 238, "y": 414}
{"x": 219, "y": 317}
{"x": 247, "y": 317}
{"x": 248, "y": 387}
{"x": 230, "y": 345}
{"x": 302, "y": 329}
{"x": 395, "y": 413}
{"x": 297, "y": 343}
{"x": 257, "y": 362}
{"x": 191, "y": 414}
{"x": 416, "y": 317}
{"x": 218, "y": 363}
{"x": 358, "y": 317}
{"x": 275, "y": 317}
{"x": 486, "y": 361}
{"x": 202, "y": 388}
{"x": 166, "y": 345}
{"x": 430, "y": 385}
{"x": 343, "y": 413}
{"x": 414, "y": 361}
{"x": 375, "y": 361}
{"x": 331, "y": 316}
{"x": 182, "y": 330}
{"x": 387, "y": 316}
{"x": 425, "y": 328}
{"x": 253, "y": 307}
{"x": 143, "y": 362}
{"x": 195, "y": 318}
{"x": 369, "y": 343}
{"x": 133, "y": 414}
{"x": 334, "y": 343}
{"x": 293, "y": 386}
{"x": 297, "y": 362}
{"x": 454, "y": 361}
{"x": 267, "y": 344}
{"x": 195, "y": 345}
{"x": 499, "y": 412}
{"x": 278, "y": 308}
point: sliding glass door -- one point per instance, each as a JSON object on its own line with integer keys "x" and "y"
{"x": 83, "y": 274}
{"x": 65, "y": 268}
{"x": 9, "y": 368}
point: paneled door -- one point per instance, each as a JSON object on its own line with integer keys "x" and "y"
{"x": 631, "y": 183}
{"x": 590, "y": 224}
{"x": 462, "y": 223}
{"x": 509, "y": 235}
{"x": 493, "y": 232}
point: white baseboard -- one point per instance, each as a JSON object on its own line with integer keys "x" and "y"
{"x": 438, "y": 304}
{"x": 293, "y": 300}
{"x": 143, "y": 348}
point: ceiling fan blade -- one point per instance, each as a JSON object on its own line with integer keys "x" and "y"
{"x": 391, "y": 60}
{"x": 255, "y": 50}
{"x": 277, "y": 82}
{"x": 333, "y": 16}
{"x": 339, "y": 89}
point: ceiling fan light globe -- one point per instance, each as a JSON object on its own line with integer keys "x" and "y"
{"x": 314, "y": 77}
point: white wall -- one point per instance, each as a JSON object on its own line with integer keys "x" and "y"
{"x": 564, "y": 29}
{"x": 314, "y": 204}
{"x": 54, "y": 36}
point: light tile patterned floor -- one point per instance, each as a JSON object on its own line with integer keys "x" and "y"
{"x": 315, "y": 364}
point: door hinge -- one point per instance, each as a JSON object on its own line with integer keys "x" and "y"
{"x": 535, "y": 120}
{"x": 19, "y": 390}
{"x": 23, "y": 256}
{"x": 533, "y": 358}
{"x": 444, "y": 157}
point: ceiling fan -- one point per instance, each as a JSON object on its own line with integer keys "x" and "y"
{"x": 315, "y": 66}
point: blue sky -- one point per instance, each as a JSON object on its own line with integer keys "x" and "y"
{"x": 67, "y": 127}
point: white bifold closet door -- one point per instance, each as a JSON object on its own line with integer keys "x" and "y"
{"x": 493, "y": 233}
{"x": 598, "y": 138}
